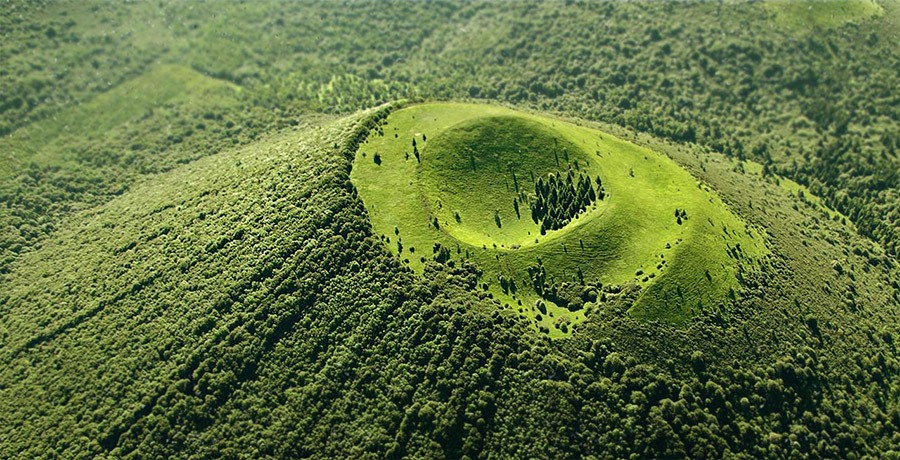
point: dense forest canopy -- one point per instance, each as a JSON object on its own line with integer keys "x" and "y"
{"x": 187, "y": 270}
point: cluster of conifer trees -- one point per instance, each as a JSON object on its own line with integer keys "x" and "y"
{"x": 560, "y": 199}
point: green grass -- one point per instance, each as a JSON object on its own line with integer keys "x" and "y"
{"x": 481, "y": 166}
{"x": 631, "y": 237}
{"x": 44, "y": 141}
{"x": 806, "y": 15}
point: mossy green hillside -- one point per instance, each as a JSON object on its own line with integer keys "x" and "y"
{"x": 479, "y": 172}
{"x": 807, "y": 15}
{"x": 471, "y": 158}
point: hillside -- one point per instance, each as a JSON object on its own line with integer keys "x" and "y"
{"x": 304, "y": 229}
{"x": 478, "y": 163}
{"x": 244, "y": 297}
{"x": 155, "y": 286}
{"x": 87, "y": 154}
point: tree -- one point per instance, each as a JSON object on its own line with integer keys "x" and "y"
{"x": 560, "y": 200}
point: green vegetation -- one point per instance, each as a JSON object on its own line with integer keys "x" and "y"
{"x": 780, "y": 99}
{"x": 807, "y": 15}
{"x": 48, "y": 141}
{"x": 561, "y": 198}
{"x": 187, "y": 269}
{"x": 87, "y": 154}
{"x": 251, "y": 280}
{"x": 475, "y": 161}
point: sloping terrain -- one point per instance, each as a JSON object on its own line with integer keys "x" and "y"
{"x": 469, "y": 185}
{"x": 808, "y": 16}
{"x": 137, "y": 295}
{"x": 242, "y": 306}
{"x": 46, "y": 142}
{"x": 192, "y": 273}
{"x": 87, "y": 154}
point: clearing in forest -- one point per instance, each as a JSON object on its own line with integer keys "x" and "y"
{"x": 561, "y": 218}
{"x": 808, "y": 15}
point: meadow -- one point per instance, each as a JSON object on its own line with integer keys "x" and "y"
{"x": 457, "y": 191}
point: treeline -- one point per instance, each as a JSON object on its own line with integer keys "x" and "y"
{"x": 557, "y": 201}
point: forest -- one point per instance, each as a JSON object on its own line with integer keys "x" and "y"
{"x": 558, "y": 201}
{"x": 187, "y": 269}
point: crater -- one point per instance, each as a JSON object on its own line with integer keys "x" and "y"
{"x": 507, "y": 181}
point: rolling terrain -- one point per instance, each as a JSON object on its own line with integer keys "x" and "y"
{"x": 222, "y": 236}
{"x": 253, "y": 279}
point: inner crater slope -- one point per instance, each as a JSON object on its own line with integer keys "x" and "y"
{"x": 562, "y": 219}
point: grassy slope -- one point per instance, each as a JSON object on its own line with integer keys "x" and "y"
{"x": 810, "y": 241}
{"x": 504, "y": 157}
{"x": 45, "y": 141}
{"x": 624, "y": 235}
{"x": 807, "y": 15}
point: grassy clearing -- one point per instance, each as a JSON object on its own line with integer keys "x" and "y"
{"x": 807, "y": 15}
{"x": 632, "y": 237}
{"x": 44, "y": 141}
